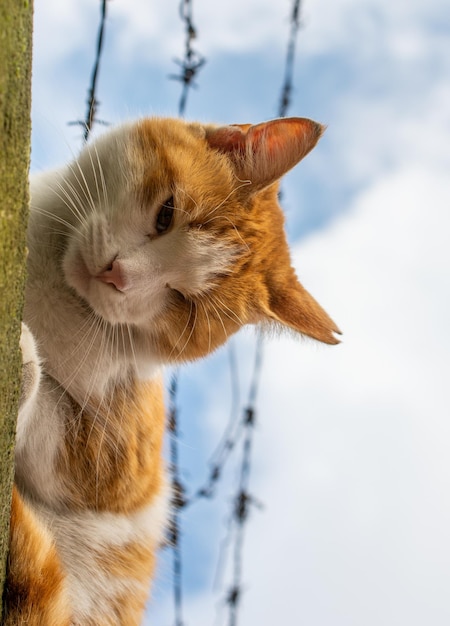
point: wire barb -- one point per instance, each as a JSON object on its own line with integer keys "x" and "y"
{"x": 286, "y": 90}
{"x": 243, "y": 498}
{"x": 92, "y": 102}
{"x": 237, "y": 430}
{"x": 192, "y": 61}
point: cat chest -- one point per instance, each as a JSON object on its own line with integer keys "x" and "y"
{"x": 109, "y": 560}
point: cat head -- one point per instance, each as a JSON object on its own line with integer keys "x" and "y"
{"x": 179, "y": 233}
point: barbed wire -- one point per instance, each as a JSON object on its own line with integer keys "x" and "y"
{"x": 92, "y": 102}
{"x": 237, "y": 431}
{"x": 230, "y": 437}
{"x": 244, "y": 499}
{"x": 178, "y": 502}
{"x": 286, "y": 90}
{"x": 190, "y": 65}
{"x": 192, "y": 61}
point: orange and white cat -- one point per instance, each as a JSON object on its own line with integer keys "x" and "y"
{"x": 161, "y": 240}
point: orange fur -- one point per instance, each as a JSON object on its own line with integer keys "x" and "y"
{"x": 221, "y": 263}
{"x": 262, "y": 285}
{"x": 35, "y": 591}
{"x": 120, "y": 469}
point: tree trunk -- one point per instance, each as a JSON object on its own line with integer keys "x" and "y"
{"x": 15, "y": 98}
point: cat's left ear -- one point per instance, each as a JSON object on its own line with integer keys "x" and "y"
{"x": 263, "y": 153}
{"x": 291, "y": 305}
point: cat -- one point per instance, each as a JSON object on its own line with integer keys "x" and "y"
{"x": 161, "y": 240}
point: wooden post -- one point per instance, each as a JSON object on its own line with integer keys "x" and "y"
{"x": 16, "y": 18}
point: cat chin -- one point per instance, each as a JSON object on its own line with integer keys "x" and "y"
{"x": 116, "y": 308}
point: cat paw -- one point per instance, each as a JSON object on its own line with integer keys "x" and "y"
{"x": 31, "y": 369}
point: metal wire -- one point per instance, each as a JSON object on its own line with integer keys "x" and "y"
{"x": 190, "y": 65}
{"x": 239, "y": 433}
{"x": 236, "y": 430}
{"x": 243, "y": 498}
{"x": 178, "y": 502}
{"x": 286, "y": 90}
{"x": 192, "y": 61}
{"x": 92, "y": 102}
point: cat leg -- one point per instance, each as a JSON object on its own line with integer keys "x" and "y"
{"x": 35, "y": 592}
{"x": 31, "y": 375}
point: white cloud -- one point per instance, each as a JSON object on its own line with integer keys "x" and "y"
{"x": 352, "y": 442}
{"x": 62, "y": 29}
{"x": 357, "y": 475}
{"x": 156, "y": 31}
{"x": 373, "y": 28}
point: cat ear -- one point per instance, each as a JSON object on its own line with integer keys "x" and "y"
{"x": 265, "y": 152}
{"x": 294, "y": 307}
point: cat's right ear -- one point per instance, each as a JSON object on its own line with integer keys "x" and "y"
{"x": 263, "y": 153}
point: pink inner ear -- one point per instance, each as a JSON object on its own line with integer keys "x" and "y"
{"x": 295, "y": 135}
{"x": 265, "y": 152}
{"x": 227, "y": 139}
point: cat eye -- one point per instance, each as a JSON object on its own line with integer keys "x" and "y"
{"x": 165, "y": 215}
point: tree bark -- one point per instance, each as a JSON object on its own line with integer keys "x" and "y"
{"x": 15, "y": 100}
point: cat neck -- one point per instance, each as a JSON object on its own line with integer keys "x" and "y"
{"x": 85, "y": 355}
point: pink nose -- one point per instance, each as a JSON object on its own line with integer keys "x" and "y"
{"x": 114, "y": 275}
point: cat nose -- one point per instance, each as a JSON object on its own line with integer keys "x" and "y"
{"x": 114, "y": 275}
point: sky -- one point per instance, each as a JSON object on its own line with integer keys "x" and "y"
{"x": 351, "y": 448}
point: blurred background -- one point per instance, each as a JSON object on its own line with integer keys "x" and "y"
{"x": 350, "y": 449}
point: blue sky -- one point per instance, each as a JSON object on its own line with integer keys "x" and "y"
{"x": 351, "y": 448}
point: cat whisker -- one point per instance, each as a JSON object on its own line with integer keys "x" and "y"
{"x": 193, "y": 307}
{"x": 90, "y": 324}
{"x": 245, "y": 181}
{"x": 219, "y": 317}
{"x": 80, "y": 345}
{"x": 83, "y": 185}
{"x": 56, "y": 218}
{"x": 217, "y": 217}
{"x": 181, "y": 190}
{"x": 113, "y": 341}
{"x": 65, "y": 384}
{"x": 71, "y": 200}
{"x": 80, "y": 204}
{"x": 233, "y": 191}
{"x": 131, "y": 343}
{"x": 232, "y": 315}
{"x": 119, "y": 427}
{"x": 102, "y": 178}
{"x": 58, "y": 245}
{"x": 93, "y": 332}
{"x": 106, "y": 341}
{"x": 180, "y": 210}
{"x": 209, "y": 325}
{"x": 94, "y": 172}
{"x": 182, "y": 332}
